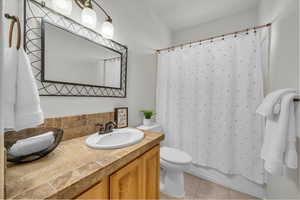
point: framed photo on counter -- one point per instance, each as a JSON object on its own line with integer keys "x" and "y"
{"x": 121, "y": 117}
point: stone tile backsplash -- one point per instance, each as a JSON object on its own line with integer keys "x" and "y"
{"x": 78, "y": 126}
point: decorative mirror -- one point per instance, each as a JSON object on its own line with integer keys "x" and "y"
{"x": 69, "y": 59}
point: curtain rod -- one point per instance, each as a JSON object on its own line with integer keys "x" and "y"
{"x": 215, "y": 37}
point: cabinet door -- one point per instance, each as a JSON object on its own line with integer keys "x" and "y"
{"x": 99, "y": 191}
{"x": 127, "y": 183}
{"x": 151, "y": 173}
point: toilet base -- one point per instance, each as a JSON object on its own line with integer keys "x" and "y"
{"x": 173, "y": 184}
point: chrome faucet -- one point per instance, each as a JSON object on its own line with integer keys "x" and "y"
{"x": 106, "y": 127}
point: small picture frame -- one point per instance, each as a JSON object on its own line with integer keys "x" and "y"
{"x": 121, "y": 117}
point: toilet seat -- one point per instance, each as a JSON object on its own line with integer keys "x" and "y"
{"x": 175, "y": 156}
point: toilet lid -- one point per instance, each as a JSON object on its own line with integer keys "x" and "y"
{"x": 175, "y": 156}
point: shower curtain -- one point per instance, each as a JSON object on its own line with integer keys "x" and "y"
{"x": 206, "y": 100}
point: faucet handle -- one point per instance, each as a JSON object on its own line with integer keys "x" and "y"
{"x": 115, "y": 124}
{"x": 101, "y": 127}
{"x": 110, "y": 125}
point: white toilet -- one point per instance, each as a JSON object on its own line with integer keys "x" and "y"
{"x": 172, "y": 163}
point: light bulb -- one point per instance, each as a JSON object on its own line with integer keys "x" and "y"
{"x": 63, "y": 6}
{"x": 89, "y": 18}
{"x": 107, "y": 30}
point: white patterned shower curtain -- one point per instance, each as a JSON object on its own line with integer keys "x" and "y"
{"x": 206, "y": 100}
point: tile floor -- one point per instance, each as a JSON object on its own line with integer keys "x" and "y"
{"x": 197, "y": 188}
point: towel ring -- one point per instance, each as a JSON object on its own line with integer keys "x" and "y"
{"x": 14, "y": 20}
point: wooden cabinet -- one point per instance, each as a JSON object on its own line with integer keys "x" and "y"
{"x": 99, "y": 191}
{"x": 151, "y": 173}
{"x": 127, "y": 183}
{"x": 140, "y": 179}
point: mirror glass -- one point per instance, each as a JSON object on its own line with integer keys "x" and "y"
{"x": 73, "y": 59}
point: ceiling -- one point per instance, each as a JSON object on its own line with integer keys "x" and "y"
{"x": 180, "y": 14}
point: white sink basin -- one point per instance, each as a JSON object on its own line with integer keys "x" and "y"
{"x": 117, "y": 139}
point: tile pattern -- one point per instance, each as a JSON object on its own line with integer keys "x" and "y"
{"x": 197, "y": 188}
{"x": 71, "y": 169}
{"x": 78, "y": 126}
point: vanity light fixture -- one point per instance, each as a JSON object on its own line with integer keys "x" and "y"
{"x": 88, "y": 14}
{"x": 63, "y": 6}
{"x": 107, "y": 29}
{"x": 89, "y": 17}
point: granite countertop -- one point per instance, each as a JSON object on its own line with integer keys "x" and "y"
{"x": 71, "y": 169}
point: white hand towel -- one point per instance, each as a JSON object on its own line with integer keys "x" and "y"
{"x": 297, "y": 108}
{"x": 279, "y": 148}
{"x": 10, "y": 63}
{"x": 21, "y": 99}
{"x": 268, "y": 108}
{"x": 28, "y": 112}
{"x": 291, "y": 157}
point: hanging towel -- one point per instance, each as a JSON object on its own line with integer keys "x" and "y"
{"x": 297, "y": 108}
{"x": 291, "y": 156}
{"x": 279, "y": 148}
{"x": 28, "y": 112}
{"x": 10, "y": 63}
{"x": 271, "y": 104}
{"x": 22, "y": 103}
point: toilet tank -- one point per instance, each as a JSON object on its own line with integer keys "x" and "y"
{"x": 156, "y": 128}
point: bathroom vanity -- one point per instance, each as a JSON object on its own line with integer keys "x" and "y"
{"x": 137, "y": 180}
{"x": 76, "y": 171}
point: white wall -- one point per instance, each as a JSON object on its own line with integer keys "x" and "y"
{"x": 2, "y": 167}
{"x": 142, "y": 32}
{"x": 218, "y": 27}
{"x": 284, "y": 72}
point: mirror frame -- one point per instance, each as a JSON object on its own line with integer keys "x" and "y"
{"x": 35, "y": 15}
